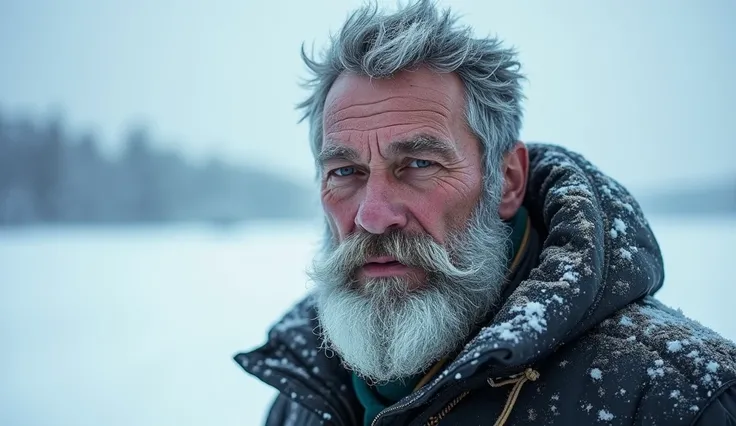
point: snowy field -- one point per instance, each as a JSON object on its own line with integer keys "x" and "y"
{"x": 137, "y": 326}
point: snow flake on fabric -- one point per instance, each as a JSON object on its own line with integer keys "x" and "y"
{"x": 575, "y": 189}
{"x": 655, "y": 372}
{"x": 605, "y": 415}
{"x": 674, "y": 346}
{"x": 530, "y": 317}
{"x": 596, "y": 374}
{"x": 290, "y": 322}
{"x": 619, "y": 228}
{"x": 626, "y": 321}
{"x": 285, "y": 364}
{"x": 625, "y": 254}
{"x": 571, "y": 277}
{"x": 628, "y": 207}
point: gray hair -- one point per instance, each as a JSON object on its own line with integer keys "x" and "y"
{"x": 379, "y": 45}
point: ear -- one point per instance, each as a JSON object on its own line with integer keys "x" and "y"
{"x": 515, "y": 172}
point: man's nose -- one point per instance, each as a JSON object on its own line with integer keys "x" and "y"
{"x": 381, "y": 210}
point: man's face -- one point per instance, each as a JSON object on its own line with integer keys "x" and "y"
{"x": 416, "y": 254}
{"x": 397, "y": 155}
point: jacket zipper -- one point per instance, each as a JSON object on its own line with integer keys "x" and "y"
{"x": 502, "y": 373}
{"x": 396, "y": 407}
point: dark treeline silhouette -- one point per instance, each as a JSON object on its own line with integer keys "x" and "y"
{"x": 48, "y": 176}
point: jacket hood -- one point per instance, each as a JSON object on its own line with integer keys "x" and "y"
{"x": 598, "y": 254}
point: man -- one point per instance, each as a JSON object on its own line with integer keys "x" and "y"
{"x": 467, "y": 278}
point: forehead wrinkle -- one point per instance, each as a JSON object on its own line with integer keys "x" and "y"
{"x": 443, "y": 94}
{"x": 338, "y": 111}
{"x": 389, "y": 98}
{"x": 401, "y": 116}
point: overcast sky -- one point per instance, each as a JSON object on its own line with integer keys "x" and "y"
{"x": 644, "y": 89}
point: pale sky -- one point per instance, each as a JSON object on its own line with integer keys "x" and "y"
{"x": 644, "y": 89}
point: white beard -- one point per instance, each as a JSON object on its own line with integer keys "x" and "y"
{"x": 383, "y": 331}
{"x": 382, "y": 340}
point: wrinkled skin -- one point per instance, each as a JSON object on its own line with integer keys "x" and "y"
{"x": 376, "y": 183}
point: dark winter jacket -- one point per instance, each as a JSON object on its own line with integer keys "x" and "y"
{"x": 579, "y": 339}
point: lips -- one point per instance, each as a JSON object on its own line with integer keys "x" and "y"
{"x": 383, "y": 260}
{"x": 384, "y": 266}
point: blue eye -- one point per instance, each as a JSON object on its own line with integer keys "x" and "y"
{"x": 420, "y": 164}
{"x": 344, "y": 171}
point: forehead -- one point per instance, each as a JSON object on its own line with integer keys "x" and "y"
{"x": 357, "y": 102}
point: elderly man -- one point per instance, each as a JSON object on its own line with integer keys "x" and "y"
{"x": 467, "y": 278}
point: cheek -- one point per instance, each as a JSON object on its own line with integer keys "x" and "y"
{"x": 441, "y": 212}
{"x": 433, "y": 212}
{"x": 340, "y": 214}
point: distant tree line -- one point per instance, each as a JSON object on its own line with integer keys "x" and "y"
{"x": 47, "y": 176}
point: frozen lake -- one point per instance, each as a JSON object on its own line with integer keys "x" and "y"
{"x": 137, "y": 326}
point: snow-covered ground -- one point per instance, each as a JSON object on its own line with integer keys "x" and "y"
{"x": 126, "y": 326}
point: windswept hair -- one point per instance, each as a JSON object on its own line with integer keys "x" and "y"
{"x": 379, "y": 44}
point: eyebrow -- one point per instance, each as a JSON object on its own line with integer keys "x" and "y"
{"x": 424, "y": 144}
{"x": 415, "y": 146}
{"x": 337, "y": 153}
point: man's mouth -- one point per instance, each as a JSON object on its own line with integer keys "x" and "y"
{"x": 382, "y": 260}
{"x": 383, "y": 266}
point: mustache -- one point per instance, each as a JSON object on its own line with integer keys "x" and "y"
{"x": 411, "y": 249}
